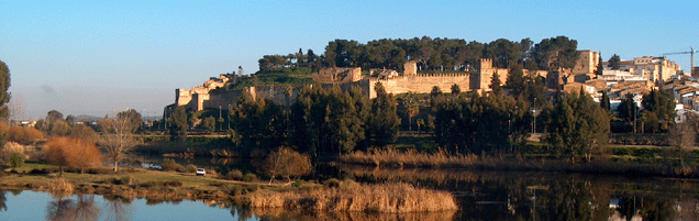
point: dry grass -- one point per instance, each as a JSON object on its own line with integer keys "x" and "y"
{"x": 354, "y": 197}
{"x": 60, "y": 187}
{"x": 392, "y": 157}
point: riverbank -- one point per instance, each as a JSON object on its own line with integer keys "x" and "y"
{"x": 628, "y": 161}
{"x": 159, "y": 186}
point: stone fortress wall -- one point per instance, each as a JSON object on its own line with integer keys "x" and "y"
{"x": 212, "y": 94}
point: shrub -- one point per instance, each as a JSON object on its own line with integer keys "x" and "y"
{"x": 84, "y": 133}
{"x": 287, "y": 163}
{"x": 71, "y": 152}
{"x": 249, "y": 177}
{"x": 190, "y": 168}
{"x": 16, "y": 160}
{"x": 60, "y": 187}
{"x": 234, "y": 175}
{"x": 332, "y": 183}
{"x": 171, "y": 165}
{"x": 24, "y": 135}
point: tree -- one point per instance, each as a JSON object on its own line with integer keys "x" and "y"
{"x": 383, "y": 121}
{"x": 578, "y": 126}
{"x": 24, "y": 135}
{"x": 117, "y": 138}
{"x": 178, "y": 124}
{"x": 209, "y": 124}
{"x": 614, "y": 62}
{"x": 555, "y": 53}
{"x": 495, "y": 83}
{"x": 4, "y": 93}
{"x": 628, "y": 111}
{"x": 662, "y": 104}
{"x": 600, "y": 66}
{"x": 327, "y": 121}
{"x": 604, "y": 102}
{"x": 135, "y": 120}
{"x": 515, "y": 80}
{"x": 436, "y": 91}
{"x": 84, "y": 133}
{"x": 455, "y": 89}
{"x": 408, "y": 108}
{"x": 71, "y": 152}
{"x": 59, "y": 128}
{"x": 287, "y": 163}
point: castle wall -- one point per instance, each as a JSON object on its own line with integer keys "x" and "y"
{"x": 420, "y": 83}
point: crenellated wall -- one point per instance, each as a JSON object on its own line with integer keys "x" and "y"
{"x": 420, "y": 83}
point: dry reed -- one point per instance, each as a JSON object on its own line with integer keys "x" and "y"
{"x": 393, "y": 157}
{"x": 354, "y": 197}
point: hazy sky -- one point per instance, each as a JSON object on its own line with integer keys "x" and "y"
{"x": 98, "y": 57}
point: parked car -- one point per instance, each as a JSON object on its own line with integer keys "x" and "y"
{"x": 152, "y": 166}
{"x": 201, "y": 172}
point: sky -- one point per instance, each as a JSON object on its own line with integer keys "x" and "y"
{"x": 101, "y": 57}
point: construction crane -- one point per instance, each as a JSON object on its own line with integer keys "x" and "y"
{"x": 691, "y": 57}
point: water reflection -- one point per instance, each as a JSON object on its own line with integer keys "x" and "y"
{"x": 118, "y": 209}
{"x": 82, "y": 208}
{"x": 550, "y": 196}
{"x": 281, "y": 214}
{"x": 3, "y": 206}
{"x": 481, "y": 196}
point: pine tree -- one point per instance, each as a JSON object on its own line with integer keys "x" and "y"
{"x": 4, "y": 94}
{"x": 495, "y": 83}
{"x": 515, "y": 80}
{"x": 455, "y": 89}
{"x": 383, "y": 121}
{"x": 600, "y": 66}
{"x": 604, "y": 102}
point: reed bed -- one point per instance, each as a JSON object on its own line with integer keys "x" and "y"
{"x": 393, "y": 157}
{"x": 353, "y": 197}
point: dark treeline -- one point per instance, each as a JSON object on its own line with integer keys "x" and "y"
{"x": 438, "y": 54}
{"x": 321, "y": 122}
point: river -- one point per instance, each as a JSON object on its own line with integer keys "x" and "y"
{"x": 482, "y": 195}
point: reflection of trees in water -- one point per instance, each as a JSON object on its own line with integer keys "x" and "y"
{"x": 282, "y": 214}
{"x": 118, "y": 209}
{"x": 243, "y": 213}
{"x": 549, "y": 196}
{"x": 83, "y": 208}
{"x": 3, "y": 206}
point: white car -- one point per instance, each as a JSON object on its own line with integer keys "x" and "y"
{"x": 201, "y": 172}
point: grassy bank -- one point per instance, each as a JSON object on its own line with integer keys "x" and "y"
{"x": 158, "y": 186}
{"x": 637, "y": 161}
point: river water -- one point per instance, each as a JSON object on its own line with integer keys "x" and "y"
{"x": 481, "y": 195}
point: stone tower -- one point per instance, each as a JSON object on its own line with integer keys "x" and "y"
{"x": 410, "y": 68}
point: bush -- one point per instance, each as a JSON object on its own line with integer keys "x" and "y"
{"x": 171, "y": 165}
{"x": 24, "y": 135}
{"x": 234, "y": 175}
{"x": 287, "y": 163}
{"x": 249, "y": 177}
{"x": 72, "y": 152}
{"x": 190, "y": 168}
{"x": 332, "y": 183}
{"x": 123, "y": 180}
{"x": 16, "y": 160}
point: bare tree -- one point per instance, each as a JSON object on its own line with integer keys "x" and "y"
{"x": 117, "y": 138}
{"x": 682, "y": 136}
{"x": 286, "y": 162}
